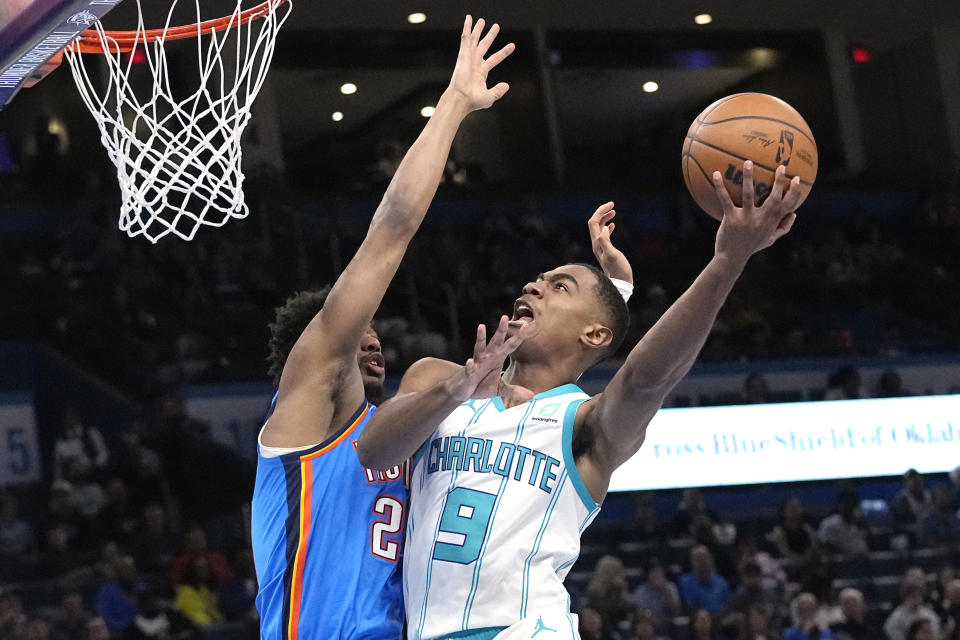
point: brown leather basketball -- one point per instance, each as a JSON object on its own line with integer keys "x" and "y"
{"x": 746, "y": 126}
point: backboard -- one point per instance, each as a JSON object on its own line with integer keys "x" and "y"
{"x": 32, "y": 32}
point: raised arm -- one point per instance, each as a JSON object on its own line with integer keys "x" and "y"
{"x": 618, "y": 417}
{"x": 429, "y": 392}
{"x": 325, "y": 354}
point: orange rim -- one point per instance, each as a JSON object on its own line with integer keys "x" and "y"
{"x": 126, "y": 41}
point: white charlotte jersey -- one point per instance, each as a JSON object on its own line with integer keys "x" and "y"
{"x": 497, "y": 508}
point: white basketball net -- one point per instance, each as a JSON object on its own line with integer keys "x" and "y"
{"x": 178, "y": 159}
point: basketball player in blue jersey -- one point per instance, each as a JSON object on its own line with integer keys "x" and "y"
{"x": 328, "y": 533}
{"x": 511, "y": 466}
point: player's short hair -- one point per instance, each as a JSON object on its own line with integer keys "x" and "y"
{"x": 615, "y": 312}
{"x": 290, "y": 320}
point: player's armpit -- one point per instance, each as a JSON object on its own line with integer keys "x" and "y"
{"x": 608, "y": 430}
{"x": 401, "y": 424}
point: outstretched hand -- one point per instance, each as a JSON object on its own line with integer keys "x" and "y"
{"x": 480, "y": 376}
{"x": 747, "y": 229}
{"x": 611, "y": 259}
{"x": 470, "y": 74}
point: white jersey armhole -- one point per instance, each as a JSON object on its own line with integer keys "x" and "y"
{"x": 276, "y": 452}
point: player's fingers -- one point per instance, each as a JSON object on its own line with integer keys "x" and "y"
{"x": 499, "y": 91}
{"x": 725, "y": 200}
{"x": 481, "y": 342}
{"x": 610, "y": 227}
{"x": 780, "y": 182}
{"x": 794, "y": 195}
{"x": 467, "y": 26}
{"x": 488, "y": 39}
{"x": 516, "y": 340}
{"x": 602, "y": 210}
{"x": 748, "y": 198}
{"x": 511, "y": 345}
{"x": 785, "y": 225}
{"x": 477, "y": 30}
{"x": 499, "y": 56}
{"x": 501, "y": 333}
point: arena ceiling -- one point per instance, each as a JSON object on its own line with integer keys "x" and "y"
{"x": 598, "y": 55}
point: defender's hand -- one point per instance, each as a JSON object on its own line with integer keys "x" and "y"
{"x": 611, "y": 259}
{"x": 480, "y": 376}
{"x": 470, "y": 75}
{"x": 750, "y": 228}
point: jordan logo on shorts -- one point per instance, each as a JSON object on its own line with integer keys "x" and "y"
{"x": 541, "y": 627}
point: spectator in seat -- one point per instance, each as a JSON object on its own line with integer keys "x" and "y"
{"x": 78, "y": 442}
{"x": 793, "y": 537}
{"x": 951, "y": 611}
{"x": 607, "y": 592}
{"x": 890, "y": 385}
{"x": 853, "y": 625}
{"x": 197, "y": 594}
{"x": 912, "y": 501}
{"x": 13, "y": 621}
{"x": 702, "y": 587}
{"x": 60, "y": 556}
{"x": 946, "y": 574}
{"x": 592, "y": 626}
{"x": 37, "y": 629}
{"x": 701, "y": 626}
{"x": 137, "y": 464}
{"x": 645, "y": 525}
{"x": 118, "y": 518}
{"x": 921, "y": 630}
{"x": 645, "y": 626}
{"x": 690, "y": 511}
{"x": 954, "y": 476}
{"x": 17, "y": 544}
{"x": 755, "y": 390}
{"x": 751, "y": 591}
{"x": 89, "y": 498}
{"x": 156, "y": 621}
{"x": 758, "y": 625}
{"x": 805, "y": 609}
{"x": 939, "y": 526}
{"x": 97, "y": 629}
{"x": 70, "y": 621}
{"x": 844, "y": 384}
{"x": 844, "y": 531}
{"x": 60, "y": 510}
{"x": 152, "y": 545}
{"x": 657, "y": 594}
{"x": 195, "y": 545}
{"x": 115, "y": 601}
{"x": 911, "y": 609}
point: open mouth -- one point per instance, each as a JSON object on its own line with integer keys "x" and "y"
{"x": 374, "y": 364}
{"x": 522, "y": 314}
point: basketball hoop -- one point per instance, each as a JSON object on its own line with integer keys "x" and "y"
{"x": 178, "y": 159}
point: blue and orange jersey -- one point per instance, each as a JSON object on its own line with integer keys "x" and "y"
{"x": 327, "y": 542}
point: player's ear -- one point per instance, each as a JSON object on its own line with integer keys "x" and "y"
{"x": 596, "y": 336}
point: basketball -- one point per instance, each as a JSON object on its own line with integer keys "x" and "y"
{"x": 746, "y": 126}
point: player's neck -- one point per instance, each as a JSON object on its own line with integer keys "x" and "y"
{"x": 537, "y": 376}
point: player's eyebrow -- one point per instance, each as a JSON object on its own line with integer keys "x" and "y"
{"x": 553, "y": 277}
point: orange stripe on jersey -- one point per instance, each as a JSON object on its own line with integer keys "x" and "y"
{"x": 296, "y": 592}
{"x": 343, "y": 436}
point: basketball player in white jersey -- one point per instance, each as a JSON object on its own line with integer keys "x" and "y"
{"x": 510, "y": 467}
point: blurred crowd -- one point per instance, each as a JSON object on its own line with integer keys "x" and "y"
{"x": 867, "y": 570}
{"x": 141, "y": 534}
{"x": 145, "y": 534}
{"x": 846, "y": 282}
